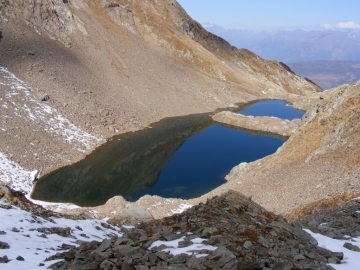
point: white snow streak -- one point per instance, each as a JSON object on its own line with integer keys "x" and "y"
{"x": 182, "y": 207}
{"x": 35, "y": 249}
{"x": 351, "y": 258}
{"x": 14, "y": 175}
{"x": 174, "y": 249}
{"x": 44, "y": 115}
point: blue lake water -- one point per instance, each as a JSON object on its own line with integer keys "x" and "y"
{"x": 203, "y": 161}
{"x": 181, "y": 157}
{"x": 275, "y": 108}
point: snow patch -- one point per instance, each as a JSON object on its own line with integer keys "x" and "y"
{"x": 57, "y": 207}
{"x": 351, "y": 258}
{"x": 31, "y": 244}
{"x": 174, "y": 249}
{"x": 44, "y": 115}
{"x": 182, "y": 207}
{"x": 13, "y": 175}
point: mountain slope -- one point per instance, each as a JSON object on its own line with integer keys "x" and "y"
{"x": 116, "y": 66}
{"x": 317, "y": 167}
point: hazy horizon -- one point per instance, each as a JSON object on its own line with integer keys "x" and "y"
{"x": 276, "y": 15}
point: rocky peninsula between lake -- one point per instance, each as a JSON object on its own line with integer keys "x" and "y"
{"x": 265, "y": 124}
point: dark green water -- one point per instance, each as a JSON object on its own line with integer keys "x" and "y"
{"x": 181, "y": 157}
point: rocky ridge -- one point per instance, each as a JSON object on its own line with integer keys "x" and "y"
{"x": 230, "y": 231}
{"x": 244, "y": 236}
{"x": 265, "y": 124}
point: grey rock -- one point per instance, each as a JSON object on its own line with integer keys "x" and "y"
{"x": 172, "y": 236}
{"x": 207, "y": 232}
{"x": 333, "y": 260}
{"x": 299, "y": 257}
{"x": 89, "y": 266}
{"x": 122, "y": 241}
{"x": 141, "y": 267}
{"x": 162, "y": 255}
{"x": 41, "y": 96}
{"x": 338, "y": 255}
{"x": 248, "y": 245}
{"x": 67, "y": 246}
{"x": 177, "y": 259}
{"x": 4, "y": 245}
{"x": 134, "y": 252}
{"x": 4, "y": 259}
{"x": 231, "y": 265}
{"x": 214, "y": 264}
{"x": 312, "y": 224}
{"x": 15, "y": 229}
{"x": 140, "y": 213}
{"x": 195, "y": 263}
{"x": 19, "y": 258}
{"x": 351, "y": 247}
{"x": 218, "y": 240}
{"x": 252, "y": 265}
{"x": 324, "y": 252}
{"x": 6, "y": 206}
{"x": 101, "y": 256}
{"x": 282, "y": 266}
{"x": 185, "y": 243}
{"x": 104, "y": 245}
{"x": 64, "y": 232}
{"x": 178, "y": 267}
{"x": 264, "y": 242}
{"x": 224, "y": 254}
{"x": 149, "y": 257}
{"x": 107, "y": 264}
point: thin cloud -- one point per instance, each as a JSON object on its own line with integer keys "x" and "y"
{"x": 348, "y": 25}
{"x": 342, "y": 25}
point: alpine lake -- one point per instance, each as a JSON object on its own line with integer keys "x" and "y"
{"x": 179, "y": 157}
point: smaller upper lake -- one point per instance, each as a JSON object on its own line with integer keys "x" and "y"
{"x": 276, "y": 108}
{"x": 182, "y": 157}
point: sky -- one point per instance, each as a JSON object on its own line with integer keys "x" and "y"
{"x": 272, "y": 14}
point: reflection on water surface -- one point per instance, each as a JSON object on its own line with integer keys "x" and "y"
{"x": 181, "y": 157}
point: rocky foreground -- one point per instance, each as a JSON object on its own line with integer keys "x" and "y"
{"x": 227, "y": 232}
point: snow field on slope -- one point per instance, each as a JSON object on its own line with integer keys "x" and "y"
{"x": 43, "y": 114}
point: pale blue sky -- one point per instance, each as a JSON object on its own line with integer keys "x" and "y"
{"x": 261, "y": 14}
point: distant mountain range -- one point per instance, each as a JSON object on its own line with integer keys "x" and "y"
{"x": 294, "y": 46}
{"x": 328, "y": 74}
{"x": 327, "y": 57}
